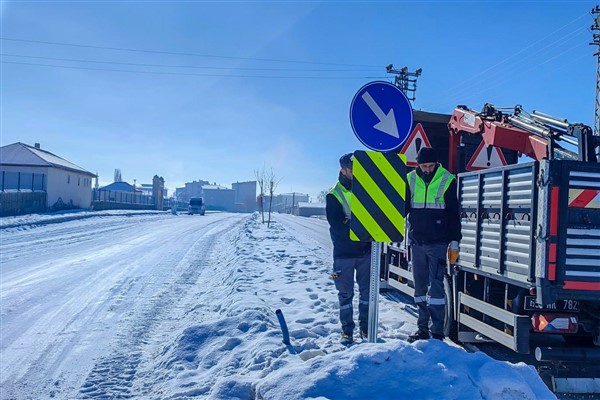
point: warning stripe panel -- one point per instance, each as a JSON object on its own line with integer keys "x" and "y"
{"x": 390, "y": 173}
{"x": 584, "y": 198}
{"x": 376, "y": 224}
{"x": 364, "y": 226}
{"x": 378, "y": 197}
{"x": 376, "y": 217}
{"x": 384, "y": 184}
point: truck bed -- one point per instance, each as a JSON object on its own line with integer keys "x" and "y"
{"x": 534, "y": 224}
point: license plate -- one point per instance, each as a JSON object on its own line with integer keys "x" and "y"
{"x": 559, "y": 305}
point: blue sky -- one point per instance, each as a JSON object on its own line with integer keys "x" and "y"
{"x": 262, "y": 110}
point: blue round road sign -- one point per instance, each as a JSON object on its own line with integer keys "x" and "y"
{"x": 381, "y": 116}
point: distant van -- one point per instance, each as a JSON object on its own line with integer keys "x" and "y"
{"x": 196, "y": 206}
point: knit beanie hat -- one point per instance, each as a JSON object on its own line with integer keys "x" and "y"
{"x": 346, "y": 160}
{"x": 426, "y": 155}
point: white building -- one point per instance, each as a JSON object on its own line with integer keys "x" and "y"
{"x": 305, "y": 209}
{"x": 65, "y": 183}
{"x": 192, "y": 189}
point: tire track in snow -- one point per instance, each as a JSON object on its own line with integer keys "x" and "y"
{"x": 61, "y": 306}
{"x": 113, "y": 376}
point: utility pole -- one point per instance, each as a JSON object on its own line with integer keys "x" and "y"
{"x": 596, "y": 42}
{"x": 293, "y": 201}
{"x": 406, "y": 81}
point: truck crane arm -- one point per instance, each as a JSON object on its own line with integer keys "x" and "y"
{"x": 492, "y": 125}
{"x": 534, "y": 135}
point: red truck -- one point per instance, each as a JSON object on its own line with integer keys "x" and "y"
{"x": 530, "y": 254}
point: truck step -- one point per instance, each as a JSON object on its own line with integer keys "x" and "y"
{"x": 568, "y": 354}
{"x": 576, "y": 385}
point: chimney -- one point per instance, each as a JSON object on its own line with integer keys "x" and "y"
{"x": 37, "y": 145}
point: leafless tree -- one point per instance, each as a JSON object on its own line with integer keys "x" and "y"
{"x": 272, "y": 182}
{"x": 118, "y": 175}
{"x": 261, "y": 178}
{"x": 322, "y": 197}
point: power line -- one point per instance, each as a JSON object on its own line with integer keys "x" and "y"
{"x": 186, "y": 54}
{"x": 184, "y": 66}
{"x": 515, "y": 70}
{"x": 191, "y": 74}
{"x": 471, "y": 80}
{"x": 545, "y": 73}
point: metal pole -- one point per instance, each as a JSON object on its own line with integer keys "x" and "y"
{"x": 374, "y": 292}
{"x": 596, "y": 41}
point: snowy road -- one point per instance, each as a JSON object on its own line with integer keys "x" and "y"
{"x": 183, "y": 307}
{"x": 69, "y": 291}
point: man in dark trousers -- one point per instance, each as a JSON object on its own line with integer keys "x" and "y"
{"x": 434, "y": 233}
{"x": 348, "y": 256}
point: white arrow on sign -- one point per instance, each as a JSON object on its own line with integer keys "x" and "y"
{"x": 387, "y": 122}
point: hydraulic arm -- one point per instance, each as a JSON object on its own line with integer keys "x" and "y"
{"x": 536, "y": 135}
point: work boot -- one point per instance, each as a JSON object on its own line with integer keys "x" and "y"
{"x": 364, "y": 335}
{"x": 346, "y": 339}
{"x": 418, "y": 335}
{"x": 437, "y": 336}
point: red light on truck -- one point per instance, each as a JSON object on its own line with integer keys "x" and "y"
{"x": 554, "y": 323}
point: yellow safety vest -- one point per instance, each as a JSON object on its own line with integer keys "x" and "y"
{"x": 343, "y": 195}
{"x": 429, "y": 196}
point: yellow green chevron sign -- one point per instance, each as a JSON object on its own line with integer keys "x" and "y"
{"x": 378, "y": 195}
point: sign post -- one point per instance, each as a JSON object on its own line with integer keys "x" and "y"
{"x": 381, "y": 117}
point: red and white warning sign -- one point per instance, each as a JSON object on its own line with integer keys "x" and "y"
{"x": 415, "y": 141}
{"x": 486, "y": 157}
{"x": 584, "y": 198}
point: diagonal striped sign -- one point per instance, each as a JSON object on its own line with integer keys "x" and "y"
{"x": 584, "y": 198}
{"x": 378, "y": 195}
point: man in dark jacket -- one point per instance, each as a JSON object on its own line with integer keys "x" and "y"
{"x": 348, "y": 256}
{"x": 434, "y": 232}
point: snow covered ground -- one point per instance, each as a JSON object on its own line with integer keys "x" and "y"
{"x": 161, "y": 306}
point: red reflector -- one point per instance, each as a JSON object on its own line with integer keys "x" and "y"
{"x": 552, "y": 253}
{"x": 554, "y": 211}
{"x": 552, "y": 272}
{"x": 554, "y": 323}
{"x": 581, "y": 285}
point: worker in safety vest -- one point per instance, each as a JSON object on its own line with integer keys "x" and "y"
{"x": 348, "y": 256}
{"x": 434, "y": 232}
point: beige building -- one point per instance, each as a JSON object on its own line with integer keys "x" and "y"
{"x": 64, "y": 182}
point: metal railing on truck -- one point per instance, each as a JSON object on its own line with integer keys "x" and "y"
{"x": 531, "y": 228}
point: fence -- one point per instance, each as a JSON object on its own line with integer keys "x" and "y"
{"x": 122, "y": 197}
{"x": 22, "y": 181}
{"x": 112, "y": 200}
{"x": 19, "y": 203}
{"x": 22, "y": 193}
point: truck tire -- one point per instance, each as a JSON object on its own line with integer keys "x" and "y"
{"x": 450, "y": 326}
